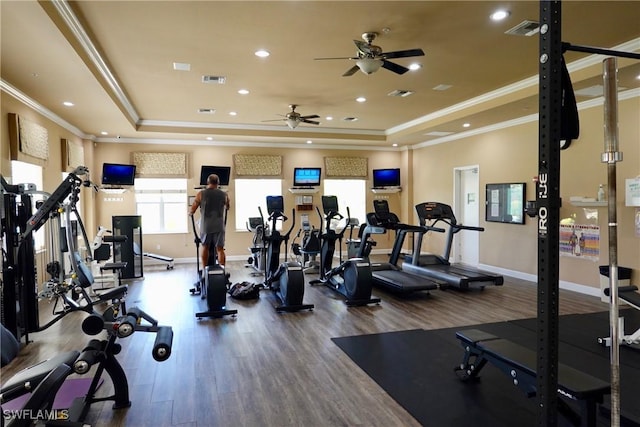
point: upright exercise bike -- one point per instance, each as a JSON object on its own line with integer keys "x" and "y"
{"x": 212, "y": 281}
{"x": 352, "y": 278}
{"x": 285, "y": 279}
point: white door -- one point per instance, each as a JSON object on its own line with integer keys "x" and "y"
{"x": 466, "y": 244}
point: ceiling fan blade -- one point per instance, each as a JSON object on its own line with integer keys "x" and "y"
{"x": 343, "y": 57}
{"x": 351, "y": 71}
{"x": 303, "y": 120}
{"x": 403, "y": 53}
{"x": 312, "y": 116}
{"x": 398, "y": 69}
{"x": 363, "y": 47}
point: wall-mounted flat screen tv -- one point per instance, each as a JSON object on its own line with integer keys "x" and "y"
{"x": 117, "y": 174}
{"x": 306, "y": 177}
{"x": 223, "y": 172}
{"x": 386, "y": 178}
{"x": 506, "y": 202}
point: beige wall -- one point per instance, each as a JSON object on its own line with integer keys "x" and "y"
{"x": 237, "y": 241}
{"x": 510, "y": 155}
{"x": 505, "y": 155}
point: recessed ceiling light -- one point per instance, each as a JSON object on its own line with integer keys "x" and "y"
{"x": 309, "y": 142}
{"x": 104, "y": 132}
{"x": 415, "y": 66}
{"x": 35, "y": 75}
{"x": 209, "y": 138}
{"x": 466, "y": 125}
{"x": 243, "y": 92}
{"x": 499, "y": 15}
{"x": 361, "y": 99}
{"x": 394, "y": 145}
{"x": 181, "y": 66}
{"x": 262, "y": 53}
{"x": 67, "y": 104}
{"x": 233, "y": 113}
{"x": 329, "y": 118}
{"x": 638, "y": 77}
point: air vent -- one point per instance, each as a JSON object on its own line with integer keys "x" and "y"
{"x": 206, "y": 110}
{"x": 442, "y": 87}
{"x": 350, "y": 119}
{"x": 400, "y": 92}
{"x": 214, "y": 79}
{"x": 525, "y": 28}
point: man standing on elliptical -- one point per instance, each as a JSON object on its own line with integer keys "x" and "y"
{"x": 213, "y": 204}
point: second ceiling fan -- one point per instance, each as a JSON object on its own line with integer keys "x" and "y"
{"x": 293, "y": 118}
{"x": 370, "y": 57}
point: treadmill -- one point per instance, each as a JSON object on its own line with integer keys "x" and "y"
{"x": 388, "y": 275}
{"x": 438, "y": 267}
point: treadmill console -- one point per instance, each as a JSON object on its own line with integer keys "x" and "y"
{"x": 383, "y": 215}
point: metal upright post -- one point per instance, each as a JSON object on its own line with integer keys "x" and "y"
{"x": 548, "y": 202}
{"x": 611, "y": 156}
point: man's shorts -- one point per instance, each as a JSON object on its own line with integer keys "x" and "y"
{"x": 214, "y": 239}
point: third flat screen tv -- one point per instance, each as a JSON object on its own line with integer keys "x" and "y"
{"x": 306, "y": 177}
{"x": 386, "y": 178}
{"x": 223, "y": 172}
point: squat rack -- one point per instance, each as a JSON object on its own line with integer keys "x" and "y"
{"x": 548, "y": 204}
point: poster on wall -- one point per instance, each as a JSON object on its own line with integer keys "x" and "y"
{"x": 580, "y": 241}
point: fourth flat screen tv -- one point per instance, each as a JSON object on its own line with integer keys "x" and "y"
{"x": 223, "y": 172}
{"x": 386, "y": 178}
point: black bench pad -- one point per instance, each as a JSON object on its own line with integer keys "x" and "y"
{"x": 571, "y": 381}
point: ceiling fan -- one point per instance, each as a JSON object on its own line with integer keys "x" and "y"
{"x": 370, "y": 57}
{"x": 293, "y": 119}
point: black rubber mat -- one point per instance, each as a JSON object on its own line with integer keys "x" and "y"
{"x": 416, "y": 368}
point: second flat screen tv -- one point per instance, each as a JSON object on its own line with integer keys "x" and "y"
{"x": 306, "y": 177}
{"x": 386, "y": 178}
{"x": 223, "y": 172}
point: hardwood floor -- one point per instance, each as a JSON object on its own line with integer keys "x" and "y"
{"x": 262, "y": 368}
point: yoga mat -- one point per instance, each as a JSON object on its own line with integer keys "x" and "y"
{"x": 69, "y": 391}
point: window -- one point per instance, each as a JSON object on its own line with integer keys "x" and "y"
{"x": 162, "y": 204}
{"x": 351, "y": 194}
{"x": 23, "y": 173}
{"x": 251, "y": 193}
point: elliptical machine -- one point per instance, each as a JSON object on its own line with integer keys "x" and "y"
{"x": 352, "y": 278}
{"x": 258, "y": 251}
{"x": 212, "y": 281}
{"x": 285, "y": 279}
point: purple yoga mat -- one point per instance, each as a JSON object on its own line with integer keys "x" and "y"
{"x": 71, "y": 388}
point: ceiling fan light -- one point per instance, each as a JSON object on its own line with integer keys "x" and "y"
{"x": 369, "y": 65}
{"x": 292, "y": 123}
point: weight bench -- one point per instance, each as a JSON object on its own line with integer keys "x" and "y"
{"x": 168, "y": 260}
{"x": 632, "y": 298}
{"x": 519, "y": 363}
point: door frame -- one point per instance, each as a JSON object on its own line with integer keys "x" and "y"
{"x": 459, "y": 202}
